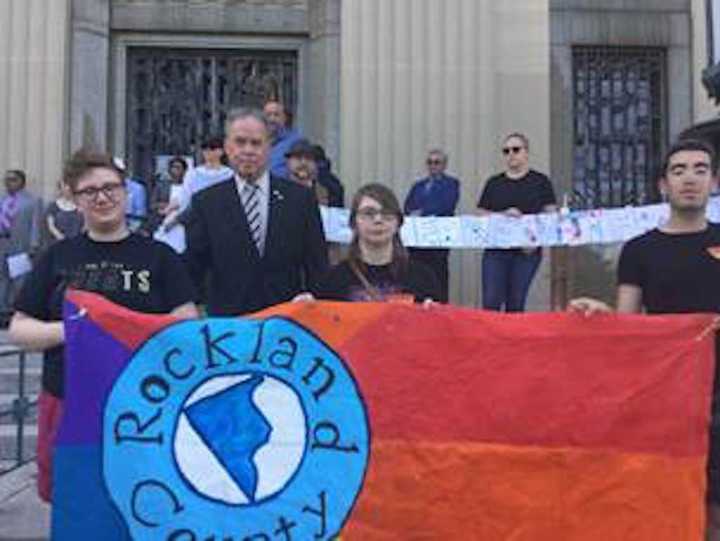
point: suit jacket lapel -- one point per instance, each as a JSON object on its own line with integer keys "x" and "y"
{"x": 274, "y": 226}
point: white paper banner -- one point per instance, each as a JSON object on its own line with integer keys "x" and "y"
{"x": 564, "y": 228}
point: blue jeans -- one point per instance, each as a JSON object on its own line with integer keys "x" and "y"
{"x": 506, "y": 278}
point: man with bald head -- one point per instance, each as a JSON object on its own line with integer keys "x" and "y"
{"x": 281, "y": 135}
{"x": 258, "y": 236}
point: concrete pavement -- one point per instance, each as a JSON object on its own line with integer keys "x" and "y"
{"x": 23, "y": 516}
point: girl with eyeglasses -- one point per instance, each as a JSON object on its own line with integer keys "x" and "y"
{"x": 508, "y": 273}
{"x": 377, "y": 267}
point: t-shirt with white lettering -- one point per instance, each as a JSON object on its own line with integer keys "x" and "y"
{"x": 136, "y": 272}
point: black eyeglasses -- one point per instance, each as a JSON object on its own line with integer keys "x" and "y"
{"x": 110, "y": 190}
{"x": 434, "y": 162}
{"x": 514, "y": 150}
{"x": 374, "y": 214}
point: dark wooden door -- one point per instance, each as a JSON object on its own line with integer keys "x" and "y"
{"x": 178, "y": 97}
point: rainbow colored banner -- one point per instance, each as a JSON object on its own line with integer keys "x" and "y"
{"x": 382, "y": 422}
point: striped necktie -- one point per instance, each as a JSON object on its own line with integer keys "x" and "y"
{"x": 251, "y": 203}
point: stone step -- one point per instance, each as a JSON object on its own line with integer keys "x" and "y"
{"x": 8, "y": 441}
{"x": 23, "y": 517}
{"x": 32, "y": 381}
{"x": 11, "y": 362}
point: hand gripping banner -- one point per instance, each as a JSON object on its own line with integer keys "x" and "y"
{"x": 382, "y": 422}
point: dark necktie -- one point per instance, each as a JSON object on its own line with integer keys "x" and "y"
{"x": 251, "y": 203}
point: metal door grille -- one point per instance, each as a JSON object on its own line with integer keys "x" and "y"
{"x": 177, "y": 97}
{"x": 619, "y": 99}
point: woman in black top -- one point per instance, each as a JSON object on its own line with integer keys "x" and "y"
{"x": 508, "y": 273}
{"x": 377, "y": 267}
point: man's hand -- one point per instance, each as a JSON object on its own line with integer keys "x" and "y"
{"x": 512, "y": 212}
{"x": 588, "y": 306}
{"x": 303, "y": 297}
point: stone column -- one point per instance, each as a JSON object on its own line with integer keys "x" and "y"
{"x": 89, "y": 93}
{"x": 322, "y": 119}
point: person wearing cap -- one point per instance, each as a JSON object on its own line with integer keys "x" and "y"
{"x": 302, "y": 168}
{"x": 336, "y": 191}
{"x": 282, "y": 137}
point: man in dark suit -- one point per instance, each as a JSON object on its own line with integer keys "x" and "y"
{"x": 260, "y": 237}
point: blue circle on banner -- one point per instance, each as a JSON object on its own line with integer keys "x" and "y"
{"x": 232, "y": 428}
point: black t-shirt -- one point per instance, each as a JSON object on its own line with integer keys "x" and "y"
{"x": 136, "y": 272}
{"x": 529, "y": 194}
{"x": 342, "y": 284}
{"x": 678, "y": 273}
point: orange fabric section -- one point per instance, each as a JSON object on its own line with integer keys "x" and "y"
{"x": 334, "y": 322}
{"x": 502, "y": 493}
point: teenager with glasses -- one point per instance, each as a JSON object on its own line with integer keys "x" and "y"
{"x": 128, "y": 269}
{"x": 508, "y": 273}
{"x": 435, "y": 195}
{"x": 377, "y": 267}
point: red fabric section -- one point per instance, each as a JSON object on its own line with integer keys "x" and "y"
{"x": 50, "y": 410}
{"x": 450, "y": 374}
{"x": 128, "y": 327}
{"x": 633, "y": 383}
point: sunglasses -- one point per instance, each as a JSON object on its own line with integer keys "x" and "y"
{"x": 514, "y": 150}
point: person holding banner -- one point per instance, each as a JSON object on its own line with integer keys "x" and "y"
{"x": 508, "y": 273}
{"x": 128, "y": 269}
{"x": 675, "y": 269}
{"x": 258, "y": 237}
{"x": 377, "y": 267}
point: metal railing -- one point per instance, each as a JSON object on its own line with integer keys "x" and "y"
{"x": 20, "y": 409}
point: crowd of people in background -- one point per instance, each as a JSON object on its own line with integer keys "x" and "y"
{"x": 167, "y": 201}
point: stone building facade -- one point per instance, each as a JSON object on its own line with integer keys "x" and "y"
{"x": 377, "y": 82}
{"x": 625, "y": 83}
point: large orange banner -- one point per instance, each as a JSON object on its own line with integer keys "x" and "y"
{"x": 383, "y": 421}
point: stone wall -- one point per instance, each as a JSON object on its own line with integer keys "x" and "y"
{"x": 33, "y": 89}
{"x": 667, "y": 24}
{"x": 234, "y": 16}
{"x": 102, "y": 30}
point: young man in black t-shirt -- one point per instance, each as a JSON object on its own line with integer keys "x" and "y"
{"x": 133, "y": 271}
{"x": 676, "y": 269}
